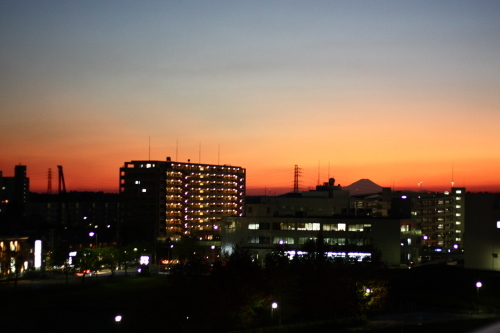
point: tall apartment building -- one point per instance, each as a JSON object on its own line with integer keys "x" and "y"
{"x": 441, "y": 218}
{"x": 165, "y": 200}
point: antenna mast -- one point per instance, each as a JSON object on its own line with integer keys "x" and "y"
{"x": 452, "y": 182}
{"x": 319, "y": 164}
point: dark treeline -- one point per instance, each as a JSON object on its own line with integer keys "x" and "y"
{"x": 236, "y": 293}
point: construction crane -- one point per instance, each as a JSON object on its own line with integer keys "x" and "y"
{"x": 62, "y": 198}
{"x": 61, "y": 180}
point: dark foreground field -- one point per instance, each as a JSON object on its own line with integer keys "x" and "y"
{"x": 433, "y": 299}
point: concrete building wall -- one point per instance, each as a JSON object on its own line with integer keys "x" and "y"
{"x": 482, "y": 231}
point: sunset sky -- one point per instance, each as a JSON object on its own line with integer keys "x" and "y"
{"x": 399, "y": 92}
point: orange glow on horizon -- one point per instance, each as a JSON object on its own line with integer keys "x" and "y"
{"x": 263, "y": 180}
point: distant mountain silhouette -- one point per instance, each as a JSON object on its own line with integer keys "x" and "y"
{"x": 363, "y": 186}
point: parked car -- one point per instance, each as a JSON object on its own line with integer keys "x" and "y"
{"x": 83, "y": 272}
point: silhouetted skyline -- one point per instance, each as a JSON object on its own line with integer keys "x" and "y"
{"x": 401, "y": 93}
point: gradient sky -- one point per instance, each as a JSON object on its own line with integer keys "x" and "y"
{"x": 399, "y": 92}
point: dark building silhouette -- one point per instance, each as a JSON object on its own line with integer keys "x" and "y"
{"x": 77, "y": 209}
{"x": 13, "y": 198}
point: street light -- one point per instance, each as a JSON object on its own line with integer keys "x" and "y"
{"x": 478, "y": 285}
{"x": 92, "y": 234}
{"x": 274, "y": 305}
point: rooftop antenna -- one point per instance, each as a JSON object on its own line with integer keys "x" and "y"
{"x": 452, "y": 182}
{"x": 319, "y": 173}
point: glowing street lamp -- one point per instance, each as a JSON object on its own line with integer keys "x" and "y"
{"x": 478, "y": 285}
{"x": 274, "y": 305}
{"x": 92, "y": 234}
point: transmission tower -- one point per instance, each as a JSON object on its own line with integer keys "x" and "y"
{"x": 296, "y": 175}
{"x": 49, "y": 184}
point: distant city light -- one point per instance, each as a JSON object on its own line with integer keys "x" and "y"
{"x": 144, "y": 260}
{"x": 38, "y": 253}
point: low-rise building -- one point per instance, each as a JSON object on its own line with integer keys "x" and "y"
{"x": 350, "y": 238}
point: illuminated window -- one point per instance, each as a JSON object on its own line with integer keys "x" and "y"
{"x": 308, "y": 226}
{"x": 329, "y": 227}
{"x": 283, "y": 240}
{"x": 498, "y": 224}
{"x": 459, "y": 198}
{"x": 458, "y": 192}
{"x": 355, "y": 227}
{"x": 287, "y": 226}
{"x": 458, "y": 206}
{"x": 341, "y": 227}
{"x": 143, "y": 190}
